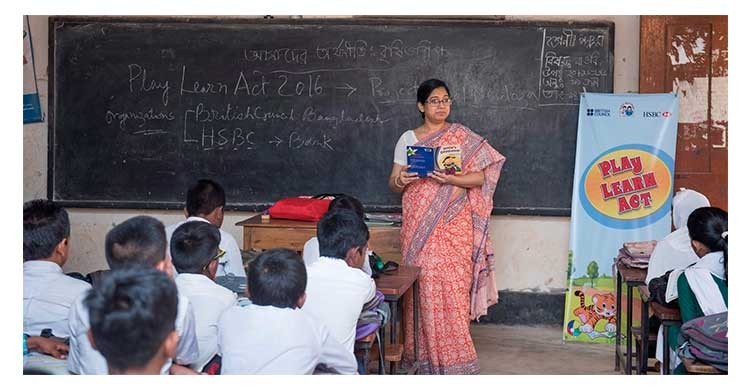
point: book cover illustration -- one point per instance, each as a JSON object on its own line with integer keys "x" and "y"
{"x": 448, "y": 159}
{"x": 421, "y": 159}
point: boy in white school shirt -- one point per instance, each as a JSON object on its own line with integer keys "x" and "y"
{"x": 136, "y": 242}
{"x": 196, "y": 255}
{"x": 133, "y": 313}
{"x": 311, "y": 250}
{"x": 272, "y": 335}
{"x": 205, "y": 202}
{"x": 48, "y": 293}
{"x": 337, "y": 289}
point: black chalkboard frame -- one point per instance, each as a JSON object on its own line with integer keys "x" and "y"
{"x": 260, "y": 206}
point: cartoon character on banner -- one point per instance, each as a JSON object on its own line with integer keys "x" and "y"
{"x": 602, "y": 308}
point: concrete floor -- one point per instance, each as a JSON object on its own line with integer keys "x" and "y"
{"x": 504, "y": 349}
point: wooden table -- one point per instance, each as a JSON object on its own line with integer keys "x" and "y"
{"x": 669, "y": 317}
{"x": 282, "y": 233}
{"x": 633, "y": 277}
{"x": 394, "y": 285}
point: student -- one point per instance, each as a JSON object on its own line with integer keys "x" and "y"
{"x": 136, "y": 242}
{"x": 48, "y": 293}
{"x": 674, "y": 250}
{"x": 196, "y": 255}
{"x": 271, "y": 335}
{"x": 133, "y": 312}
{"x": 205, "y": 202}
{"x": 311, "y": 250}
{"x": 336, "y": 287}
{"x": 702, "y": 289}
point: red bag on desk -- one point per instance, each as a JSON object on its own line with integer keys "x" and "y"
{"x": 301, "y": 208}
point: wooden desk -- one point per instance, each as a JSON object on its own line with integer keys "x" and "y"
{"x": 394, "y": 285}
{"x": 669, "y": 317}
{"x": 633, "y": 277}
{"x": 282, "y": 233}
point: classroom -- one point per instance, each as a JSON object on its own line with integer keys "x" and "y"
{"x": 129, "y": 121}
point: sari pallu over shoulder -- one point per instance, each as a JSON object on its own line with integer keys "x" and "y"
{"x": 478, "y": 155}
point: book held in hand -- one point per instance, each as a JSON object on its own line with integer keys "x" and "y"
{"x": 448, "y": 159}
{"x": 423, "y": 159}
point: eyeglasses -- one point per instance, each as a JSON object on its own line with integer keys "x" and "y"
{"x": 219, "y": 254}
{"x": 434, "y": 102}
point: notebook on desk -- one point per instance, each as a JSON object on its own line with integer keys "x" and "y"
{"x": 235, "y": 284}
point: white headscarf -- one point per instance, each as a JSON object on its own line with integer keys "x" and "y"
{"x": 674, "y": 251}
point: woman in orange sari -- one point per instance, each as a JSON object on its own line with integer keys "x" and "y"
{"x": 445, "y": 232}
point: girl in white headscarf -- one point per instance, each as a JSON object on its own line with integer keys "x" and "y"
{"x": 674, "y": 251}
{"x": 702, "y": 289}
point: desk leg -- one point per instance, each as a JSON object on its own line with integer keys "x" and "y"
{"x": 416, "y": 326}
{"x": 381, "y": 347}
{"x": 629, "y": 332}
{"x": 618, "y": 332}
{"x": 394, "y": 319}
{"x": 665, "y": 351}
{"x": 644, "y": 337}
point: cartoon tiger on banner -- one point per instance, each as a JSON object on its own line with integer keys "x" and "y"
{"x": 602, "y": 308}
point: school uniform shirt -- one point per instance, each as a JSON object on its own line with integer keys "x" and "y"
{"x": 311, "y": 254}
{"x": 83, "y": 359}
{"x": 209, "y": 300}
{"x": 336, "y": 294}
{"x": 231, "y": 262}
{"x": 48, "y": 295}
{"x": 270, "y": 340}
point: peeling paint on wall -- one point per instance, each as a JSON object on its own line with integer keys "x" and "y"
{"x": 719, "y": 101}
{"x": 685, "y": 48}
{"x": 693, "y": 99}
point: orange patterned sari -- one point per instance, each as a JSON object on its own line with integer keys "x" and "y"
{"x": 445, "y": 232}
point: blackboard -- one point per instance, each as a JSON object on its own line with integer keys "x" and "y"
{"x": 139, "y": 108}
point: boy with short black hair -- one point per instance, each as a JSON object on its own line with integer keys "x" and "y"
{"x": 137, "y": 242}
{"x": 271, "y": 336}
{"x": 48, "y": 293}
{"x": 337, "y": 289}
{"x": 196, "y": 255}
{"x": 311, "y": 250}
{"x": 205, "y": 202}
{"x": 132, "y": 313}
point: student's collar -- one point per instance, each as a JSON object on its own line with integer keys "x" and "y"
{"x": 713, "y": 262}
{"x": 195, "y": 218}
{"x": 44, "y": 265}
{"x": 195, "y": 277}
{"x": 332, "y": 258}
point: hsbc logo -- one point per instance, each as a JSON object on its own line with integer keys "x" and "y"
{"x": 656, "y": 114}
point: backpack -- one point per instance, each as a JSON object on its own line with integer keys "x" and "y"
{"x": 378, "y": 267}
{"x": 657, "y": 289}
{"x": 705, "y": 339}
{"x": 374, "y": 315}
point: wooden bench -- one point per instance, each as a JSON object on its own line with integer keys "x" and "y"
{"x": 364, "y": 346}
{"x": 696, "y": 367}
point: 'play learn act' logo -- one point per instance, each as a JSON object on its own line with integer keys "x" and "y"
{"x": 627, "y": 187}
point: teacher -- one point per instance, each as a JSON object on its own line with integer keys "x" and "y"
{"x": 446, "y": 232}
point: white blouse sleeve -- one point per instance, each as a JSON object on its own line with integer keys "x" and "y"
{"x": 399, "y": 154}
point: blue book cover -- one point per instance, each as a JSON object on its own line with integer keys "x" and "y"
{"x": 421, "y": 159}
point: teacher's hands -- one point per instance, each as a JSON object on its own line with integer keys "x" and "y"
{"x": 405, "y": 178}
{"x": 441, "y": 178}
